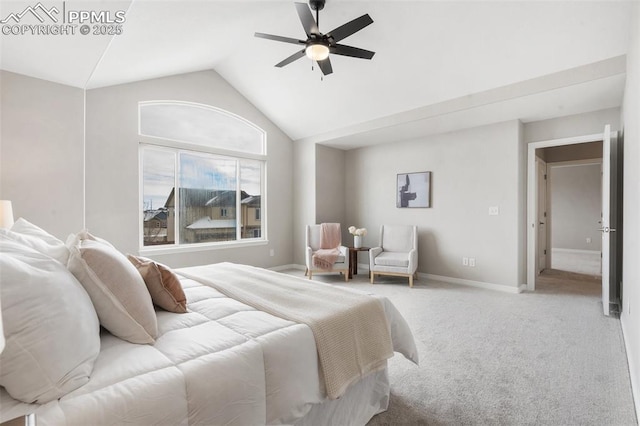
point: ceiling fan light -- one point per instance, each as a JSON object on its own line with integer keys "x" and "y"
{"x": 317, "y": 52}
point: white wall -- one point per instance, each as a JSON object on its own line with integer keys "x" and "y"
{"x": 112, "y": 207}
{"x": 41, "y": 152}
{"x": 576, "y": 204}
{"x": 572, "y": 125}
{"x": 630, "y": 316}
{"x": 471, "y": 170}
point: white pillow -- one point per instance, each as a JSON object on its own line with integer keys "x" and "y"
{"x": 38, "y": 239}
{"x": 116, "y": 288}
{"x": 51, "y": 329}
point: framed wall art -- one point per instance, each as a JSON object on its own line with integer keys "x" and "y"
{"x": 413, "y": 190}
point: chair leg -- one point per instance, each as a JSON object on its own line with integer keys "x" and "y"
{"x": 410, "y": 280}
{"x": 306, "y": 271}
{"x": 310, "y": 273}
{"x": 372, "y": 276}
{"x": 346, "y": 276}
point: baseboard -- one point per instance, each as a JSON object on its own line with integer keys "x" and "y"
{"x": 364, "y": 267}
{"x": 633, "y": 370}
{"x": 575, "y": 251}
{"x": 471, "y": 283}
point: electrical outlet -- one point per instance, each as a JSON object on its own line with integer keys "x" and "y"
{"x": 472, "y": 262}
{"x": 494, "y": 210}
{"x": 588, "y": 240}
{"x": 465, "y": 261}
{"x": 272, "y": 252}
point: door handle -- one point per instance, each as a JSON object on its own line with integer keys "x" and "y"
{"x": 541, "y": 223}
{"x": 607, "y": 229}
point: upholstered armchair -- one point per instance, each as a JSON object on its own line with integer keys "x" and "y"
{"x": 397, "y": 254}
{"x": 313, "y": 244}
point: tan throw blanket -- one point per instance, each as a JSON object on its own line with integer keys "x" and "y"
{"x": 330, "y": 240}
{"x": 351, "y": 330}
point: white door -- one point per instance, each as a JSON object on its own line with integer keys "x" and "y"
{"x": 542, "y": 215}
{"x": 606, "y": 216}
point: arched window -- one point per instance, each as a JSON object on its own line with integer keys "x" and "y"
{"x": 202, "y": 175}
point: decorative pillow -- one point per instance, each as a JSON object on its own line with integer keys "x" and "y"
{"x": 117, "y": 290}
{"x": 38, "y": 239}
{"x": 51, "y": 328}
{"x": 85, "y": 235}
{"x": 163, "y": 284}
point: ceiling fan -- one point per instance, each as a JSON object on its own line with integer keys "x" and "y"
{"x": 317, "y": 46}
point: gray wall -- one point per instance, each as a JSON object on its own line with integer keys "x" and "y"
{"x": 319, "y": 191}
{"x": 583, "y": 151}
{"x": 112, "y": 207}
{"x": 304, "y": 195}
{"x": 576, "y": 199}
{"x": 330, "y": 187}
{"x": 41, "y": 152}
{"x": 471, "y": 171}
{"x": 630, "y": 316}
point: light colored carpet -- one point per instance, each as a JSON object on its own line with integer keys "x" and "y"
{"x": 491, "y": 358}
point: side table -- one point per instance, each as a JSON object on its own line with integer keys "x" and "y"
{"x": 353, "y": 259}
{"x": 26, "y": 420}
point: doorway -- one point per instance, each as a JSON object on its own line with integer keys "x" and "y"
{"x": 574, "y": 214}
{"x": 536, "y": 232}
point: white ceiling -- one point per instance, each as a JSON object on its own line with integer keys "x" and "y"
{"x": 439, "y": 66}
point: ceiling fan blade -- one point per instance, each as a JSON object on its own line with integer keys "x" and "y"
{"x": 349, "y": 28}
{"x": 306, "y": 17}
{"x": 354, "y": 52}
{"x": 325, "y": 66}
{"x": 291, "y": 58}
{"x": 279, "y": 38}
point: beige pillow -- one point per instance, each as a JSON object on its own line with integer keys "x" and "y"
{"x": 117, "y": 290}
{"x": 163, "y": 285}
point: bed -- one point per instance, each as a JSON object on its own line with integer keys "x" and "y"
{"x": 222, "y": 361}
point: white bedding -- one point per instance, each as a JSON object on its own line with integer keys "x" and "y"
{"x": 223, "y": 362}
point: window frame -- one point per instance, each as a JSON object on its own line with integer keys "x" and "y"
{"x": 176, "y": 147}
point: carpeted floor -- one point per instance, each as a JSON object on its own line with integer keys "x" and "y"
{"x": 491, "y": 358}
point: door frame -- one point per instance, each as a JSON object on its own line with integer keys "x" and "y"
{"x": 532, "y": 197}
{"x": 540, "y": 163}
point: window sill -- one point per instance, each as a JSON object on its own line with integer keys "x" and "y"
{"x": 155, "y": 250}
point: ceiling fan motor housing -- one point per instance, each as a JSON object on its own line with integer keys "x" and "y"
{"x": 316, "y": 4}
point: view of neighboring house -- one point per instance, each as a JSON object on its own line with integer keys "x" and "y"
{"x": 155, "y": 227}
{"x": 205, "y": 215}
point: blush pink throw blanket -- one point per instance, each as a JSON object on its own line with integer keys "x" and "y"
{"x": 330, "y": 240}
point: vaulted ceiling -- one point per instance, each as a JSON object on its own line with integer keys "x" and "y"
{"x": 439, "y": 65}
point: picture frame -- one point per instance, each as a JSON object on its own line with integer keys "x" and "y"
{"x": 413, "y": 190}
